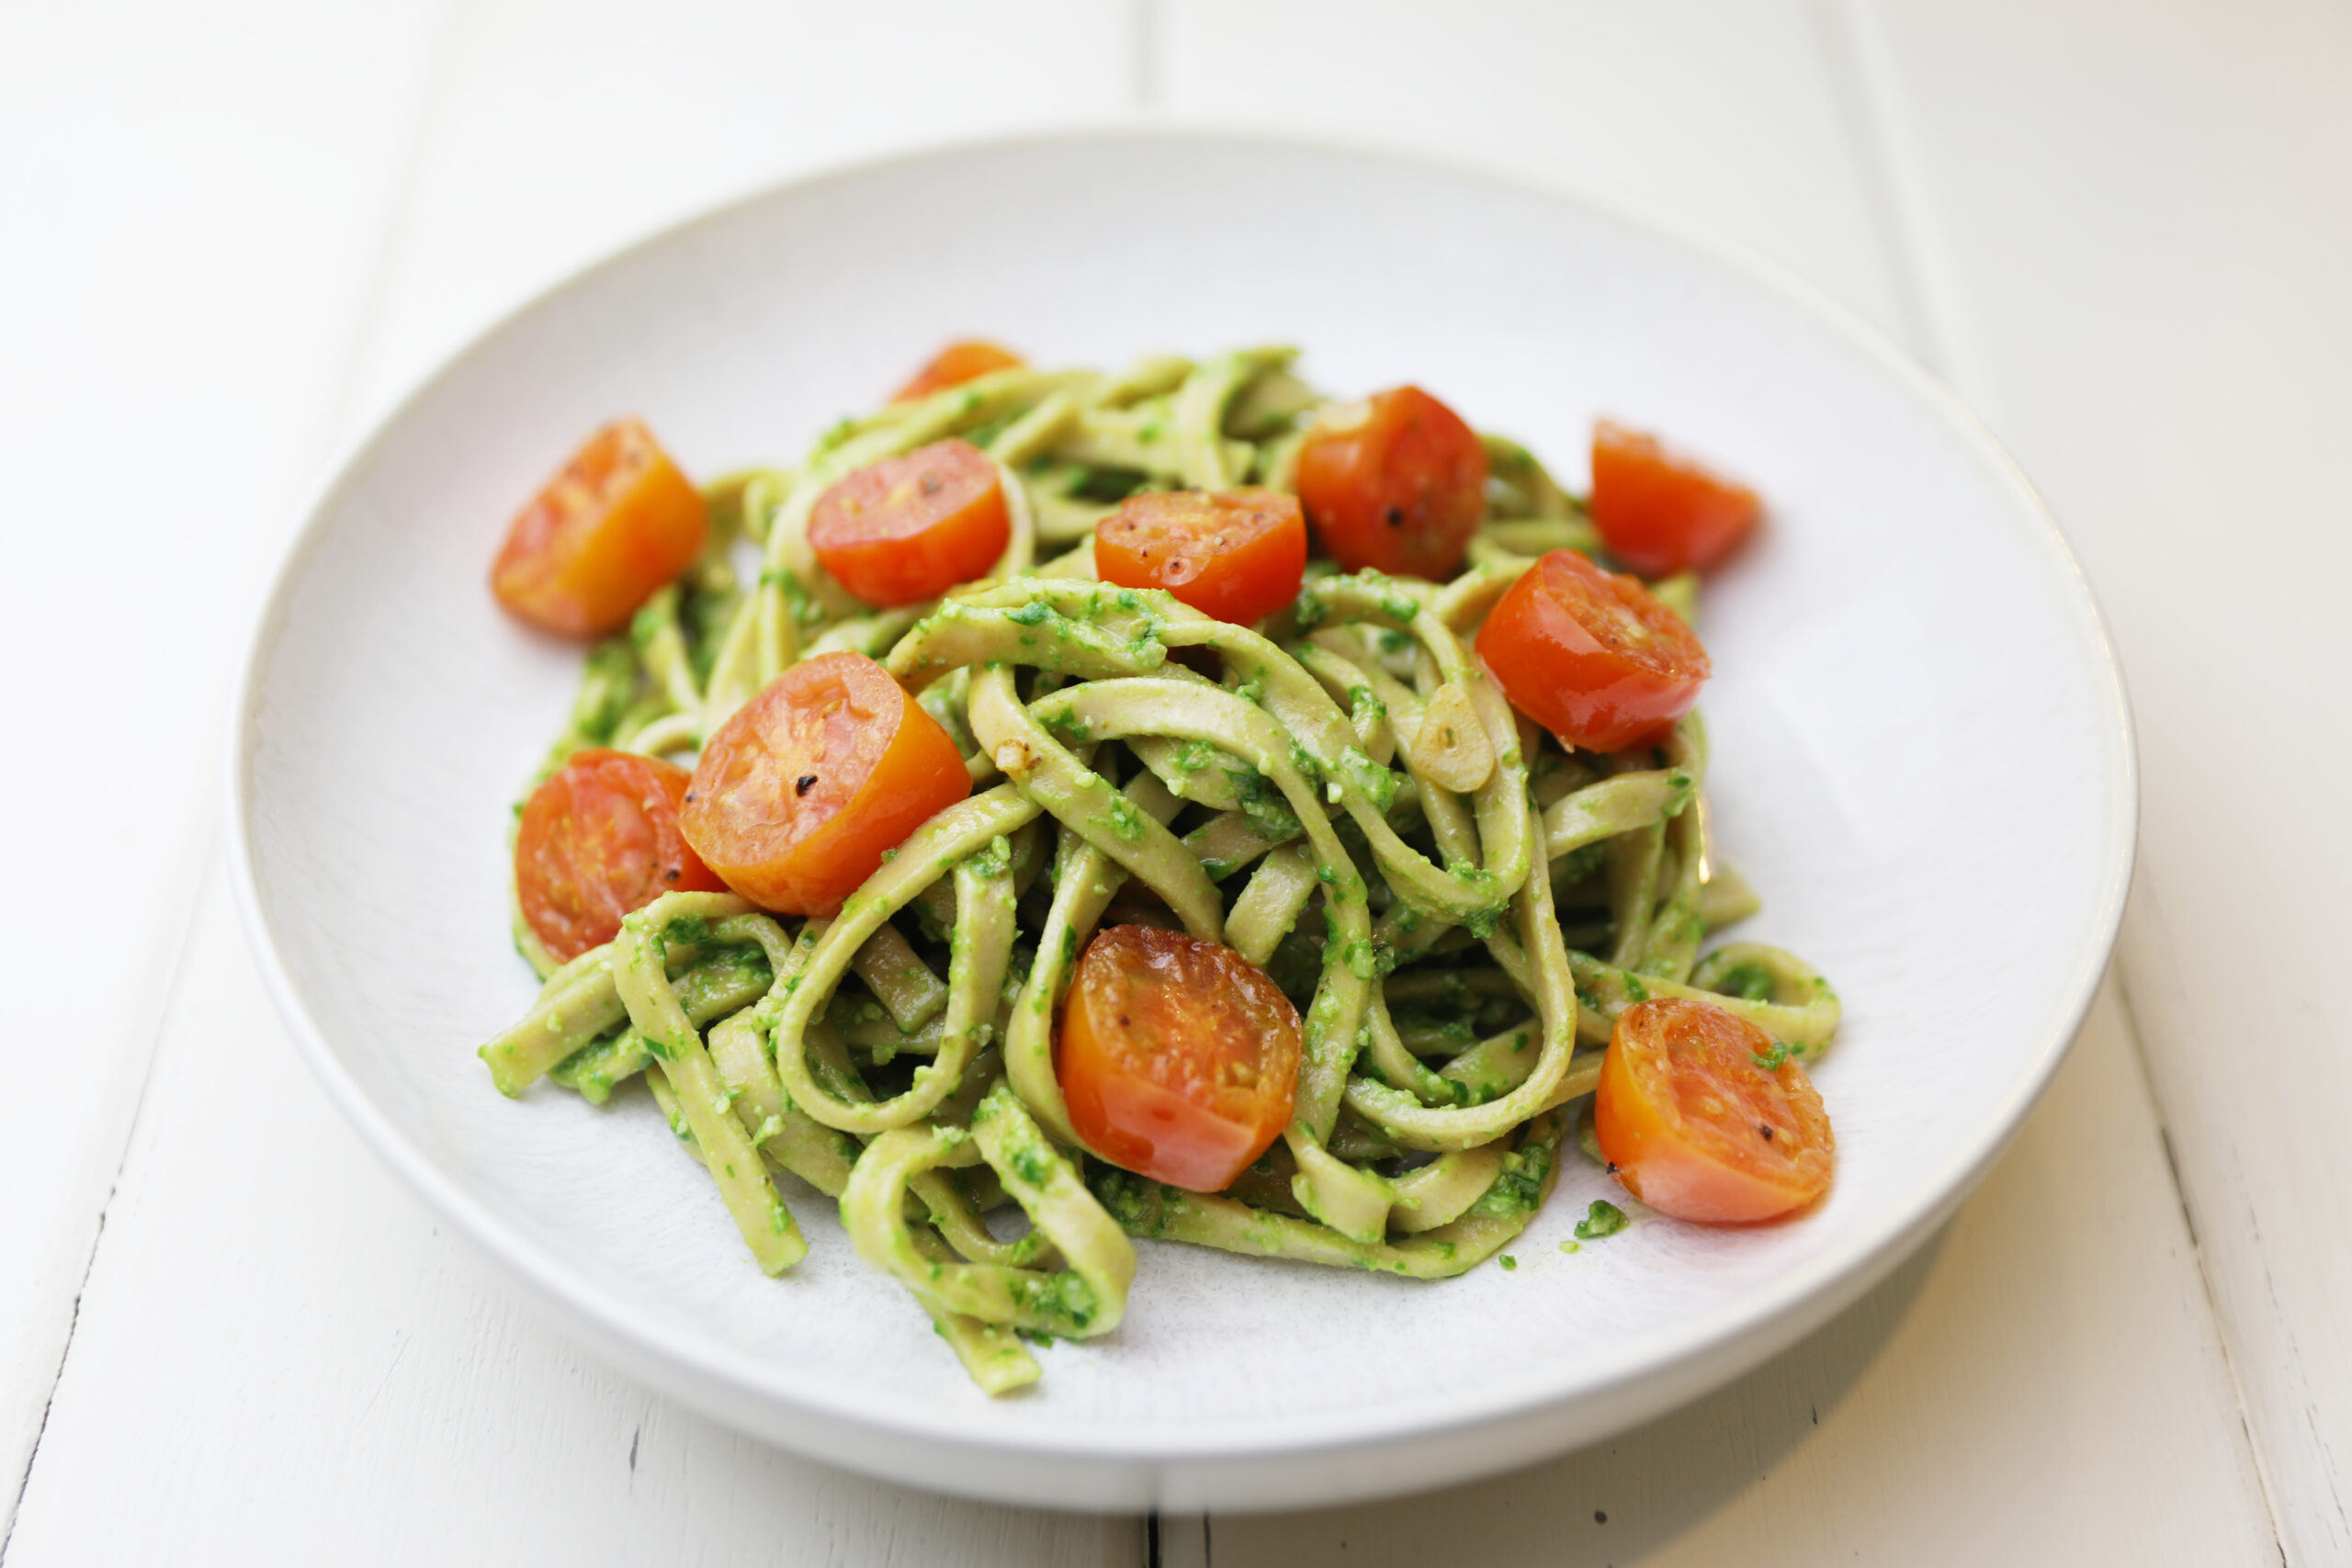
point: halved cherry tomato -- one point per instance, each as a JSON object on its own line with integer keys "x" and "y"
{"x": 597, "y": 840}
{"x": 953, "y": 366}
{"x": 618, "y": 523}
{"x": 1661, "y": 512}
{"x": 798, "y": 795}
{"x": 1696, "y": 1127}
{"x": 1238, "y": 554}
{"x": 1179, "y": 1058}
{"x": 1591, "y": 655}
{"x": 910, "y": 527}
{"x": 1395, "y": 482}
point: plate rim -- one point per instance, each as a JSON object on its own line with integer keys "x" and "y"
{"x": 1716, "y": 1345}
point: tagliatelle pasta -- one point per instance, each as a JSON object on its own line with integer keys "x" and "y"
{"x": 1458, "y": 904}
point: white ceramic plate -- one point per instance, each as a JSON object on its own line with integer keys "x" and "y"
{"x": 1923, "y": 759}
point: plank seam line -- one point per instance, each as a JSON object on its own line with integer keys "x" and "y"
{"x": 2195, "y": 1248}
{"x": 24, "y": 1481}
{"x": 1143, "y": 29}
{"x": 162, "y": 1019}
{"x": 368, "y": 308}
{"x": 1868, "y": 128}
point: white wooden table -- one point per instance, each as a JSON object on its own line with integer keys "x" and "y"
{"x": 230, "y": 232}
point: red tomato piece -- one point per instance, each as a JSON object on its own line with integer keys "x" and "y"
{"x": 1660, "y": 512}
{"x": 1697, "y": 1128}
{"x": 598, "y": 839}
{"x": 1237, "y": 555}
{"x": 1395, "y": 482}
{"x": 617, "y": 523}
{"x": 910, "y": 527}
{"x": 954, "y": 364}
{"x": 1179, "y": 1058}
{"x": 1591, "y": 655}
{"x": 798, "y": 795}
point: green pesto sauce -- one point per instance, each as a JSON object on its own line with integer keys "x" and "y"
{"x": 1517, "y": 1188}
{"x": 1123, "y": 819}
{"x": 1748, "y": 982}
{"x": 1602, "y": 1219}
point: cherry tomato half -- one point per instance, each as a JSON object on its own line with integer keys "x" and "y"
{"x": 954, "y": 364}
{"x": 1696, "y": 1127}
{"x": 1238, "y": 554}
{"x": 597, "y": 840}
{"x": 618, "y": 523}
{"x": 1179, "y": 1058}
{"x": 797, "y": 794}
{"x": 910, "y": 527}
{"x": 1591, "y": 655}
{"x": 1660, "y": 513}
{"x": 1395, "y": 482}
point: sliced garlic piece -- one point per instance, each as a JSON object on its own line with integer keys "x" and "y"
{"x": 1451, "y": 747}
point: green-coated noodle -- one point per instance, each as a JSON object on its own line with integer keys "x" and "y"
{"x": 1459, "y": 907}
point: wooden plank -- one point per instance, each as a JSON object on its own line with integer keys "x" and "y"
{"x": 193, "y": 199}
{"x": 2139, "y": 221}
{"x": 2079, "y": 1338}
{"x": 282, "y": 1360}
{"x": 2042, "y": 1386}
{"x": 558, "y": 139}
{"x": 1724, "y": 118}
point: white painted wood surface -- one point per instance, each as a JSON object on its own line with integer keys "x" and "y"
{"x": 189, "y": 207}
{"x": 2139, "y": 220}
{"x": 2121, "y": 227}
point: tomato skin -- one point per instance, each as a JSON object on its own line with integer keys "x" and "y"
{"x": 597, "y": 840}
{"x": 1660, "y": 512}
{"x": 1396, "y": 484}
{"x": 801, "y": 792}
{"x": 1591, "y": 655}
{"x": 910, "y": 527}
{"x": 1179, "y": 1058}
{"x": 1682, "y": 1111}
{"x": 1238, "y": 554}
{"x": 952, "y": 366}
{"x": 617, "y": 523}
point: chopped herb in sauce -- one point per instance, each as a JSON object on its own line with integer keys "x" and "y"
{"x": 1603, "y": 1218}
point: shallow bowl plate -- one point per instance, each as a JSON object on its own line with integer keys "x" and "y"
{"x": 1923, "y": 759}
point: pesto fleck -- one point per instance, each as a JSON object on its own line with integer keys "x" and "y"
{"x": 1748, "y": 982}
{"x": 1125, "y": 819}
{"x": 1603, "y": 1218}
